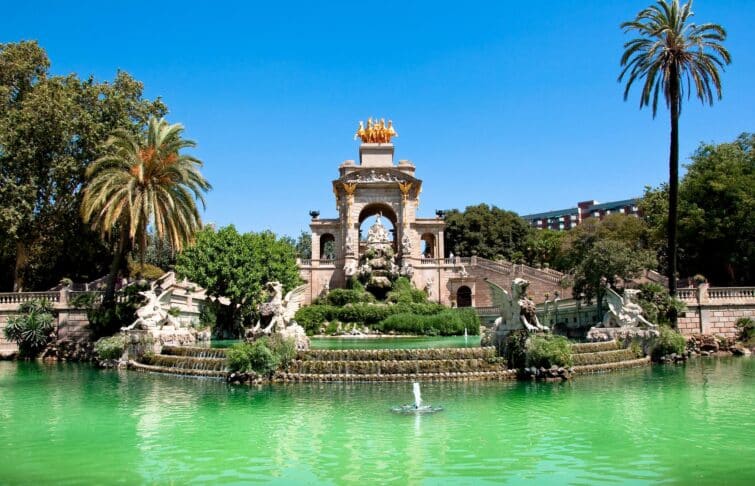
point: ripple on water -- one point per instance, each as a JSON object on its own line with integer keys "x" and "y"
{"x": 75, "y": 424}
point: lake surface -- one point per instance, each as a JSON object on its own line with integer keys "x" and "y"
{"x": 65, "y": 423}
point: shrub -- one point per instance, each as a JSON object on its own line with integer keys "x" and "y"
{"x": 403, "y": 292}
{"x": 341, "y": 297}
{"x": 146, "y": 271}
{"x": 313, "y": 316}
{"x": 110, "y": 347}
{"x": 548, "y": 350}
{"x": 746, "y": 326}
{"x": 263, "y": 356}
{"x": 33, "y": 328}
{"x": 657, "y": 305}
{"x": 450, "y": 322}
{"x": 514, "y": 349}
{"x": 668, "y": 342}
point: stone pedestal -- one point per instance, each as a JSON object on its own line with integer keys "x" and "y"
{"x": 376, "y": 155}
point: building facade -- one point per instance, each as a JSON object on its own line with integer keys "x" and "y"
{"x": 564, "y": 219}
{"x": 378, "y": 188}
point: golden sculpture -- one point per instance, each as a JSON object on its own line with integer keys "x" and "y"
{"x": 349, "y": 188}
{"x": 376, "y": 131}
{"x": 405, "y": 187}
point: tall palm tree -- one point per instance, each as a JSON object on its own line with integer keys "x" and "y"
{"x": 673, "y": 56}
{"x": 144, "y": 181}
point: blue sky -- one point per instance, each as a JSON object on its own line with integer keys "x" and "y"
{"x": 511, "y": 103}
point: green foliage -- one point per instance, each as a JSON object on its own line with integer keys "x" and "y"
{"x": 403, "y": 292}
{"x": 657, "y": 305}
{"x": 207, "y": 314}
{"x": 668, "y": 342}
{"x": 85, "y": 300}
{"x": 746, "y": 327}
{"x": 546, "y": 248}
{"x": 612, "y": 260}
{"x": 33, "y": 328}
{"x": 237, "y": 266}
{"x": 449, "y": 322}
{"x": 51, "y": 129}
{"x": 312, "y": 317}
{"x": 486, "y": 231}
{"x": 107, "y": 320}
{"x": 514, "y": 349}
{"x": 146, "y": 271}
{"x": 548, "y": 350}
{"x": 303, "y": 245}
{"x": 716, "y": 228}
{"x": 341, "y": 297}
{"x": 263, "y": 356}
{"x": 110, "y": 347}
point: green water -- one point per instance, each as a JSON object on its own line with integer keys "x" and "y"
{"x": 689, "y": 424}
{"x": 399, "y": 342}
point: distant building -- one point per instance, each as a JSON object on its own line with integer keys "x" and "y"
{"x": 564, "y": 219}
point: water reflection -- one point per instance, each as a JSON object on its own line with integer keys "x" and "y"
{"x": 73, "y": 423}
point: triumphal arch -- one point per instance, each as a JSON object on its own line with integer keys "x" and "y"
{"x": 398, "y": 243}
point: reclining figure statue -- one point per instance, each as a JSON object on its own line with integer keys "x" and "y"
{"x": 153, "y": 315}
{"x": 623, "y": 311}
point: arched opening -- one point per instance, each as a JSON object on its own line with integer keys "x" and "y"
{"x": 428, "y": 245}
{"x": 327, "y": 247}
{"x": 368, "y": 216}
{"x": 464, "y": 297}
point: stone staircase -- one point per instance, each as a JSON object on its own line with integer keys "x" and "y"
{"x": 604, "y": 356}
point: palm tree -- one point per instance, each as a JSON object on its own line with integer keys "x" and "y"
{"x": 144, "y": 181}
{"x": 672, "y": 55}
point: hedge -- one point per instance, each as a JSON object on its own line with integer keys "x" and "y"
{"x": 312, "y": 317}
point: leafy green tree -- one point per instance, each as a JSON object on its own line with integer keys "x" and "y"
{"x": 486, "y": 231}
{"x": 237, "y": 266}
{"x": 545, "y": 248}
{"x": 716, "y": 203}
{"x": 304, "y": 245}
{"x": 669, "y": 53}
{"x": 51, "y": 129}
{"x": 610, "y": 260}
{"x": 142, "y": 181}
{"x": 578, "y": 242}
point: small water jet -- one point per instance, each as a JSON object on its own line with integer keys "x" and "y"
{"x": 417, "y": 406}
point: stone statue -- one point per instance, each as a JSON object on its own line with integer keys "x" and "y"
{"x": 377, "y": 234}
{"x": 349, "y": 245}
{"x": 153, "y": 315}
{"x": 623, "y": 311}
{"x": 517, "y": 310}
{"x": 280, "y": 311}
{"x": 406, "y": 245}
{"x": 429, "y": 286}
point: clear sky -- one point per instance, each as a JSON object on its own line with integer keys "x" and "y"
{"x": 511, "y": 103}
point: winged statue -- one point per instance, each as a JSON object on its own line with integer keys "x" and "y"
{"x": 517, "y": 310}
{"x": 280, "y": 310}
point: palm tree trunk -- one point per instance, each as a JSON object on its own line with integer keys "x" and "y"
{"x": 109, "y": 298}
{"x": 673, "y": 184}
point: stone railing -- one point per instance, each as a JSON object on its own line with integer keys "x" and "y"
{"x": 428, "y": 261}
{"x": 21, "y": 297}
{"x": 743, "y": 293}
{"x": 490, "y": 310}
{"x": 716, "y": 295}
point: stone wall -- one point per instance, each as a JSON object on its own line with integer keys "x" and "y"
{"x": 710, "y": 310}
